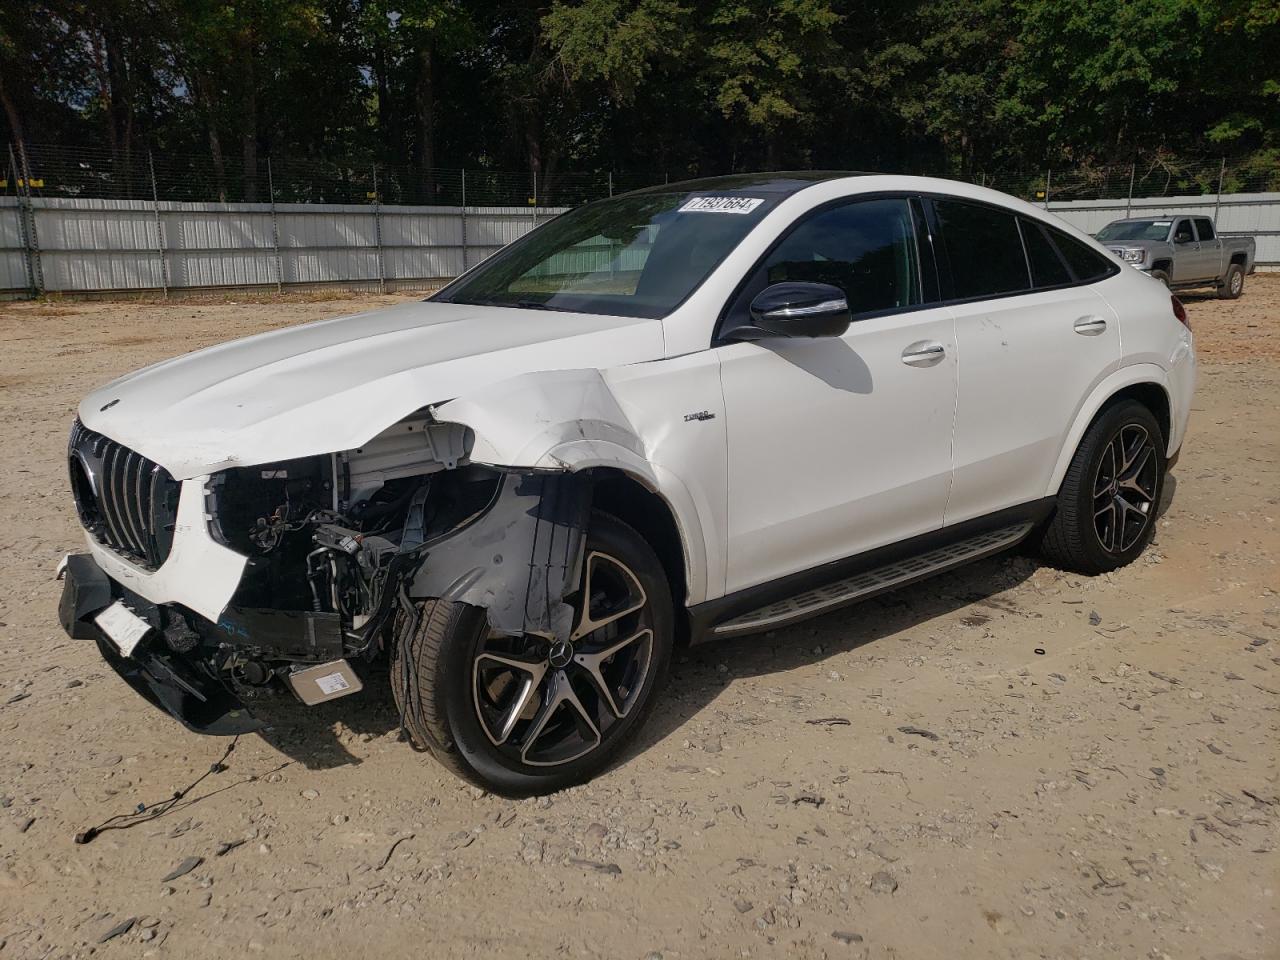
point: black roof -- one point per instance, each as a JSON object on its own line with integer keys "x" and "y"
{"x": 775, "y": 183}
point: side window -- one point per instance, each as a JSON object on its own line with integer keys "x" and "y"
{"x": 1204, "y": 228}
{"x": 984, "y": 248}
{"x": 1086, "y": 263}
{"x": 866, "y": 248}
{"x": 1047, "y": 268}
{"x": 1182, "y": 232}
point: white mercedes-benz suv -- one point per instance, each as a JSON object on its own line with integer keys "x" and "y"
{"x": 694, "y": 411}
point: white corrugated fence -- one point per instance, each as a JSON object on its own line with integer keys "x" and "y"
{"x": 65, "y": 245}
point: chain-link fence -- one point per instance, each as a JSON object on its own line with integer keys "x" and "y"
{"x": 95, "y": 172}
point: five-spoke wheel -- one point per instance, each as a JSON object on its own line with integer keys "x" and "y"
{"x": 1124, "y": 488}
{"x": 1107, "y": 506}
{"x": 545, "y": 702}
{"x": 530, "y": 714}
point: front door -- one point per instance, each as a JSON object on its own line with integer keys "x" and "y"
{"x": 839, "y": 445}
{"x": 1187, "y": 262}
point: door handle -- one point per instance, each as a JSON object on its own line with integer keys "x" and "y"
{"x": 1090, "y": 326}
{"x": 924, "y": 353}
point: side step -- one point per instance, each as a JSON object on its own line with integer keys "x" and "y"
{"x": 870, "y": 582}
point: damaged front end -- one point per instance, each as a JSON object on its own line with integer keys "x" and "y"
{"x": 336, "y": 546}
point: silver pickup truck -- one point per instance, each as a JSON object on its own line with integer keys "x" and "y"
{"x": 1183, "y": 252}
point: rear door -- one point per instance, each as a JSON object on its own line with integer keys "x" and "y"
{"x": 1033, "y": 339}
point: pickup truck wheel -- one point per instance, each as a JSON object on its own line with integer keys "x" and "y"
{"x": 1109, "y": 498}
{"x": 530, "y": 715}
{"x": 1232, "y": 284}
{"x": 1161, "y": 275}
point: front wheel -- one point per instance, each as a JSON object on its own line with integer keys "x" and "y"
{"x": 1110, "y": 496}
{"x": 530, "y": 715}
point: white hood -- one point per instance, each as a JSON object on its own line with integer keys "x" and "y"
{"x": 332, "y": 385}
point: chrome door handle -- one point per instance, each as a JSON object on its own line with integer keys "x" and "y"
{"x": 923, "y": 353}
{"x": 1090, "y": 326}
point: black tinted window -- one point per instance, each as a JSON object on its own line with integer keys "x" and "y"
{"x": 1182, "y": 232}
{"x": 1047, "y": 268}
{"x": 984, "y": 249}
{"x": 866, "y": 248}
{"x": 1086, "y": 263}
{"x": 1204, "y": 228}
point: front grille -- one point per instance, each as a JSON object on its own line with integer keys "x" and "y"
{"x": 125, "y": 501}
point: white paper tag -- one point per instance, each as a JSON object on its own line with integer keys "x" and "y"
{"x": 721, "y": 205}
{"x": 123, "y": 626}
{"x": 332, "y": 683}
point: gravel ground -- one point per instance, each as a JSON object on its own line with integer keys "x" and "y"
{"x": 1003, "y": 762}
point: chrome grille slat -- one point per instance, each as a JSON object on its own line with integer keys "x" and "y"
{"x": 157, "y": 475}
{"x": 107, "y": 494}
{"x": 127, "y": 502}
{"x": 131, "y": 504}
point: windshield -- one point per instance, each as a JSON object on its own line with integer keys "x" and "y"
{"x": 1136, "y": 230}
{"x": 638, "y": 255}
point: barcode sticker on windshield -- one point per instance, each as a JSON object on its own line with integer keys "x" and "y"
{"x": 721, "y": 205}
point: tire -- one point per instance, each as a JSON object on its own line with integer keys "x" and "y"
{"x": 1161, "y": 275}
{"x": 1091, "y": 532}
{"x": 457, "y": 686}
{"x": 1232, "y": 284}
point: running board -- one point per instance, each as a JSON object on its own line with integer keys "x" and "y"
{"x": 860, "y": 586}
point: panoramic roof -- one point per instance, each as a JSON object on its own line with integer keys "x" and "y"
{"x": 777, "y": 182}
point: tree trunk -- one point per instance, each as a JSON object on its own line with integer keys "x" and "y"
{"x": 249, "y": 119}
{"x": 119, "y": 108}
{"x": 219, "y": 165}
{"x": 426, "y": 95}
{"x": 11, "y": 114}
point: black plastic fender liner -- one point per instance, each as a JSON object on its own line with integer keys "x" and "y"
{"x": 520, "y": 559}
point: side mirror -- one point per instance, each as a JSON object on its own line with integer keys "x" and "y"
{"x": 801, "y": 310}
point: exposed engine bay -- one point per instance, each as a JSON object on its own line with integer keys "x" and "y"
{"x": 337, "y": 545}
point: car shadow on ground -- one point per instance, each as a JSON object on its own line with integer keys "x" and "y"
{"x": 702, "y": 672}
{"x": 320, "y": 737}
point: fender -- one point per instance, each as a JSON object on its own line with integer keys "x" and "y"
{"x": 1104, "y": 391}
{"x": 570, "y": 421}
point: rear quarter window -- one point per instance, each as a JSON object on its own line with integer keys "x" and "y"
{"x": 1047, "y": 268}
{"x": 1086, "y": 263}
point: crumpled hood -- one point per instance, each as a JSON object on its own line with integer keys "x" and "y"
{"x": 331, "y": 385}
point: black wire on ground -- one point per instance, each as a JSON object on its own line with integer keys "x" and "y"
{"x": 145, "y": 813}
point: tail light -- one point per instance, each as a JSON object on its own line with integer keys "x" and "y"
{"x": 1180, "y": 312}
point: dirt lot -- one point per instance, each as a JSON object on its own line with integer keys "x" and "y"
{"x": 1102, "y": 778}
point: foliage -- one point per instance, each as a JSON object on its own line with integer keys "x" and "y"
{"x": 649, "y": 87}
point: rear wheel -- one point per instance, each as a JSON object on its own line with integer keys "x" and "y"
{"x": 528, "y": 715}
{"x": 1110, "y": 495}
{"x": 1232, "y": 284}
